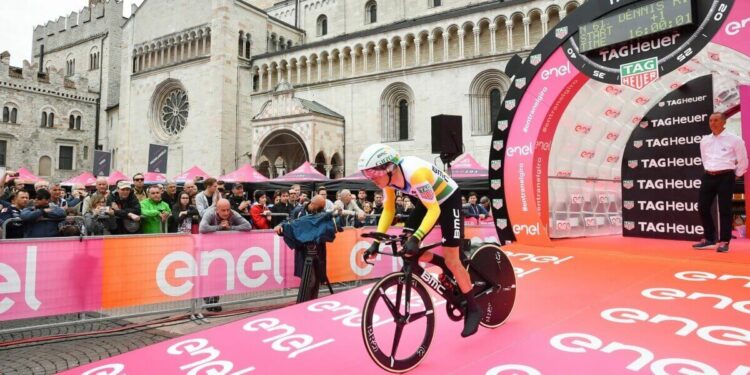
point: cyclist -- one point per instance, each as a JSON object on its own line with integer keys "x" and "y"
{"x": 438, "y": 200}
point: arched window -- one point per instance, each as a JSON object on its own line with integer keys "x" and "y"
{"x": 72, "y": 122}
{"x": 6, "y": 114}
{"x": 397, "y": 102}
{"x": 45, "y": 166}
{"x": 51, "y": 120}
{"x": 371, "y": 12}
{"x": 322, "y": 25}
{"x": 44, "y": 119}
{"x": 486, "y": 95}
{"x": 403, "y": 120}
{"x": 78, "y": 122}
{"x": 13, "y": 115}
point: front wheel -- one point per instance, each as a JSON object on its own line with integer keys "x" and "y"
{"x": 398, "y": 321}
{"x": 495, "y": 284}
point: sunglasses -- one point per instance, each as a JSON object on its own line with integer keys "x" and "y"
{"x": 376, "y": 172}
{"x": 137, "y": 179}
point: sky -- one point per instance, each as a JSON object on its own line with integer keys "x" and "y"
{"x": 18, "y": 18}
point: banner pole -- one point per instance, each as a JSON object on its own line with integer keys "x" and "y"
{"x": 745, "y": 103}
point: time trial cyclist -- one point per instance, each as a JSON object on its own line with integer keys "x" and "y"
{"x": 438, "y": 200}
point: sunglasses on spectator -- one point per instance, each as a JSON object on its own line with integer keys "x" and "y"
{"x": 137, "y": 179}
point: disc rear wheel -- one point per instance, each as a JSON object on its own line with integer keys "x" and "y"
{"x": 492, "y": 263}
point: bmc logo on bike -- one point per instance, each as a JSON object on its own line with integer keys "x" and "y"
{"x": 433, "y": 282}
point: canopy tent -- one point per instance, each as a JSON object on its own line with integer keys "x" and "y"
{"x": 26, "y": 176}
{"x": 154, "y": 178}
{"x": 245, "y": 174}
{"x": 353, "y": 182}
{"x": 191, "y": 174}
{"x": 305, "y": 173}
{"x": 85, "y": 179}
{"x": 116, "y": 176}
{"x": 467, "y": 167}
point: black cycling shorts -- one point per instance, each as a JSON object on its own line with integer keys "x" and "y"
{"x": 451, "y": 218}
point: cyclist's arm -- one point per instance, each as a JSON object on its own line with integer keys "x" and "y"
{"x": 389, "y": 209}
{"x": 421, "y": 180}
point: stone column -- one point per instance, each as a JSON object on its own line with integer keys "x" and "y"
{"x": 476, "y": 31}
{"x": 461, "y": 35}
{"x": 390, "y": 55}
{"x": 431, "y": 41}
{"x": 446, "y": 40}
{"x": 319, "y": 66}
{"x": 404, "y": 44}
{"x": 377, "y": 59}
{"x": 342, "y": 62}
{"x": 509, "y": 29}
{"x": 299, "y": 72}
{"x": 365, "y": 53}
{"x": 353, "y": 55}
{"x": 289, "y": 72}
{"x": 417, "y": 52}
{"x": 563, "y": 14}
{"x": 526, "y": 33}
{"x": 493, "y": 39}
{"x": 309, "y": 69}
{"x": 330, "y": 67}
{"x": 545, "y": 24}
{"x": 278, "y": 73}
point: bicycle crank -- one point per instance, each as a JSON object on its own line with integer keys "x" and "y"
{"x": 455, "y": 313}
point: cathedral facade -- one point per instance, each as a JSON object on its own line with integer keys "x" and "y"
{"x": 228, "y": 82}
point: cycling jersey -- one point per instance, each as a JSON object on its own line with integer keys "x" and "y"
{"x": 424, "y": 181}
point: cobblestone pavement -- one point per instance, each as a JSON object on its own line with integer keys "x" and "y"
{"x": 51, "y": 357}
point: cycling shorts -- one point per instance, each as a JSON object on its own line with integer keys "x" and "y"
{"x": 451, "y": 218}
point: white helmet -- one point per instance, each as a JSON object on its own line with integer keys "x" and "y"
{"x": 378, "y": 155}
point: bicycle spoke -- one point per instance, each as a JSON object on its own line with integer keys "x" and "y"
{"x": 416, "y": 316}
{"x": 397, "y": 338}
{"x": 389, "y": 304}
{"x": 399, "y": 290}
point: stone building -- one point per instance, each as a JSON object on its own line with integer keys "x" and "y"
{"x": 47, "y": 121}
{"x": 226, "y": 82}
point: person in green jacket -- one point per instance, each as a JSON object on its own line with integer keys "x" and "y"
{"x": 155, "y": 213}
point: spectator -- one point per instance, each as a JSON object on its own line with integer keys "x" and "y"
{"x": 18, "y": 201}
{"x": 100, "y": 220}
{"x": 169, "y": 196}
{"x": 283, "y": 207}
{"x": 42, "y": 219}
{"x": 315, "y": 206}
{"x": 377, "y": 206}
{"x": 139, "y": 187}
{"x": 350, "y": 209}
{"x": 72, "y": 225}
{"x": 102, "y": 189}
{"x": 260, "y": 214}
{"x": 323, "y": 192}
{"x": 485, "y": 202}
{"x": 126, "y": 208}
{"x": 77, "y": 195}
{"x": 184, "y": 214}
{"x": 362, "y": 197}
{"x": 5, "y": 190}
{"x": 302, "y": 200}
{"x": 276, "y": 198}
{"x": 238, "y": 199}
{"x": 408, "y": 208}
{"x": 400, "y": 206}
{"x": 41, "y": 185}
{"x": 368, "y": 219}
{"x": 221, "y": 189}
{"x": 293, "y": 198}
{"x": 221, "y": 218}
{"x": 57, "y": 195}
{"x": 192, "y": 189}
{"x": 474, "y": 210}
{"x": 207, "y": 197}
{"x": 463, "y": 200}
{"x": 155, "y": 213}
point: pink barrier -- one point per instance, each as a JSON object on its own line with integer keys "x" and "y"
{"x": 52, "y": 277}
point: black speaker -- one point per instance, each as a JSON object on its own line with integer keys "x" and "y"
{"x": 447, "y": 137}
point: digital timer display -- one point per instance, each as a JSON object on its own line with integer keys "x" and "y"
{"x": 635, "y": 22}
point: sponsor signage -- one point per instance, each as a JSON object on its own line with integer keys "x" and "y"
{"x": 102, "y": 163}
{"x": 639, "y": 74}
{"x": 662, "y": 165}
{"x": 157, "y": 158}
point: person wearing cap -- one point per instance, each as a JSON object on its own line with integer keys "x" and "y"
{"x": 126, "y": 207}
{"x": 260, "y": 214}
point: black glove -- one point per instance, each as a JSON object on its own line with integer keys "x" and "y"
{"x": 411, "y": 247}
{"x": 373, "y": 249}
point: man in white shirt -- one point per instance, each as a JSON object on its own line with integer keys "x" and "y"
{"x": 724, "y": 158}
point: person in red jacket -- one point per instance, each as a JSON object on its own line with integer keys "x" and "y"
{"x": 260, "y": 214}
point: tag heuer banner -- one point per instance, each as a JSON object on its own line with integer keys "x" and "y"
{"x": 102, "y": 163}
{"x": 157, "y": 158}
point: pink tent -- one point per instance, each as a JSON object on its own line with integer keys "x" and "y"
{"x": 468, "y": 167}
{"x": 85, "y": 179}
{"x": 356, "y": 176}
{"x": 154, "y": 178}
{"x": 26, "y": 176}
{"x": 245, "y": 173}
{"x": 116, "y": 176}
{"x": 305, "y": 172}
{"x": 191, "y": 174}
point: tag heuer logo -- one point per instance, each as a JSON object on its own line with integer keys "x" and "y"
{"x": 628, "y": 204}
{"x": 496, "y": 184}
{"x": 497, "y": 145}
{"x": 535, "y": 59}
{"x": 561, "y": 32}
{"x": 627, "y": 184}
{"x": 629, "y": 225}
{"x": 633, "y": 164}
{"x": 502, "y": 125}
{"x": 497, "y": 203}
{"x": 590, "y": 221}
{"x": 502, "y": 223}
{"x": 639, "y": 74}
{"x": 637, "y": 144}
{"x": 496, "y": 164}
{"x": 520, "y": 83}
{"x": 644, "y": 124}
{"x": 510, "y": 104}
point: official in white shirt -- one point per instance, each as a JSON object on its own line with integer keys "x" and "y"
{"x": 725, "y": 160}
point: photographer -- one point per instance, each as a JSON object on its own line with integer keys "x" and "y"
{"x": 155, "y": 212}
{"x": 100, "y": 220}
{"x": 6, "y": 191}
{"x": 238, "y": 200}
{"x": 184, "y": 213}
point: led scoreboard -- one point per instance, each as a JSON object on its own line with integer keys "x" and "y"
{"x": 635, "y": 22}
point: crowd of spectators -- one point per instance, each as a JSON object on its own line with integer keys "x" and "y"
{"x": 137, "y": 208}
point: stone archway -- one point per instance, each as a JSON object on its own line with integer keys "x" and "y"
{"x": 320, "y": 163}
{"x": 337, "y": 167}
{"x": 281, "y": 152}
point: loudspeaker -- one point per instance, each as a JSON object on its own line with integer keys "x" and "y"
{"x": 447, "y": 137}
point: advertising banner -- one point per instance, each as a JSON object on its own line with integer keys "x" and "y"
{"x": 157, "y": 158}
{"x": 661, "y": 166}
{"x": 745, "y": 103}
{"x": 102, "y": 163}
{"x": 42, "y": 278}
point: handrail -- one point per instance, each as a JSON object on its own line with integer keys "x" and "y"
{"x": 5, "y": 225}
